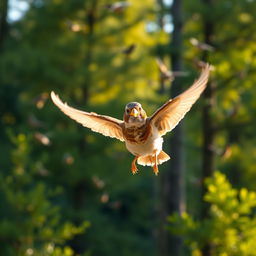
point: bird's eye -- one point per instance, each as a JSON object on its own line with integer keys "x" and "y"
{"x": 127, "y": 110}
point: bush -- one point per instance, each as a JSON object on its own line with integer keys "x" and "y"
{"x": 230, "y": 228}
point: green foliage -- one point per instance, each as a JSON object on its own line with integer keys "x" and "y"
{"x": 76, "y": 49}
{"x": 30, "y": 224}
{"x": 230, "y": 228}
{"x": 57, "y": 176}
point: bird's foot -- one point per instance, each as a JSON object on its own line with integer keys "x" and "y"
{"x": 155, "y": 169}
{"x": 134, "y": 168}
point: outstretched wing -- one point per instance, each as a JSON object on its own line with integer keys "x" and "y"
{"x": 105, "y": 125}
{"x": 170, "y": 114}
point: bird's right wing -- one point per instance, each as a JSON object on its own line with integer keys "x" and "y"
{"x": 105, "y": 125}
{"x": 170, "y": 114}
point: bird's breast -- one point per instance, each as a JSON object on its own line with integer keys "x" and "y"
{"x": 143, "y": 140}
{"x": 137, "y": 134}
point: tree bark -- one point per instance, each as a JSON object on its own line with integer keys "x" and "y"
{"x": 208, "y": 125}
{"x": 207, "y": 116}
{"x": 80, "y": 189}
{"x": 3, "y": 21}
{"x": 173, "y": 195}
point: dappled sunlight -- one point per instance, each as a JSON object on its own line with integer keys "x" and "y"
{"x": 66, "y": 190}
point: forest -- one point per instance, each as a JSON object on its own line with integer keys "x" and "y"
{"x": 67, "y": 191}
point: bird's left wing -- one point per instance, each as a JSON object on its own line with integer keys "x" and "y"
{"x": 105, "y": 125}
{"x": 170, "y": 114}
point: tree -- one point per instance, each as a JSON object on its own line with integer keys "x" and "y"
{"x": 85, "y": 62}
{"x": 98, "y": 58}
{"x": 173, "y": 199}
{"x": 221, "y": 115}
{"x": 208, "y": 123}
{"x": 3, "y": 20}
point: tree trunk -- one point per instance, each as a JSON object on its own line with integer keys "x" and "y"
{"x": 80, "y": 189}
{"x": 208, "y": 165}
{"x": 173, "y": 200}
{"x": 207, "y": 120}
{"x": 3, "y": 20}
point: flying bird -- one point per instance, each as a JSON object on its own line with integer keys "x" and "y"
{"x": 142, "y": 135}
{"x": 129, "y": 49}
{"x": 168, "y": 74}
{"x": 117, "y": 6}
{"x": 201, "y": 45}
{"x": 199, "y": 64}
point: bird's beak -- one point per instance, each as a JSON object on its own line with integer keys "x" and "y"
{"x": 134, "y": 112}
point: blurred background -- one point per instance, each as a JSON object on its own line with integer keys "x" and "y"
{"x": 68, "y": 191}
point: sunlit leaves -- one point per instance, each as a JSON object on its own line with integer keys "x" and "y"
{"x": 245, "y": 17}
{"x": 230, "y": 228}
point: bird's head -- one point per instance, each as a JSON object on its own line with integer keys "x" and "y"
{"x": 134, "y": 114}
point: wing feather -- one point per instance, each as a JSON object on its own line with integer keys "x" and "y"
{"x": 171, "y": 113}
{"x": 105, "y": 125}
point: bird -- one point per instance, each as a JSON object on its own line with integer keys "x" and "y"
{"x": 117, "y": 6}
{"x": 201, "y": 45}
{"x": 199, "y": 64}
{"x": 40, "y": 100}
{"x": 74, "y": 27}
{"x": 42, "y": 138}
{"x": 167, "y": 74}
{"x": 129, "y": 49}
{"x": 141, "y": 134}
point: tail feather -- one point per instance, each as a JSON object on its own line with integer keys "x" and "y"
{"x": 149, "y": 160}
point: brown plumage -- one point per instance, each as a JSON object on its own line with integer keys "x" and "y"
{"x": 141, "y": 134}
{"x": 136, "y": 134}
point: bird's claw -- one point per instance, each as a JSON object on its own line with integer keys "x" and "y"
{"x": 155, "y": 169}
{"x": 134, "y": 170}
